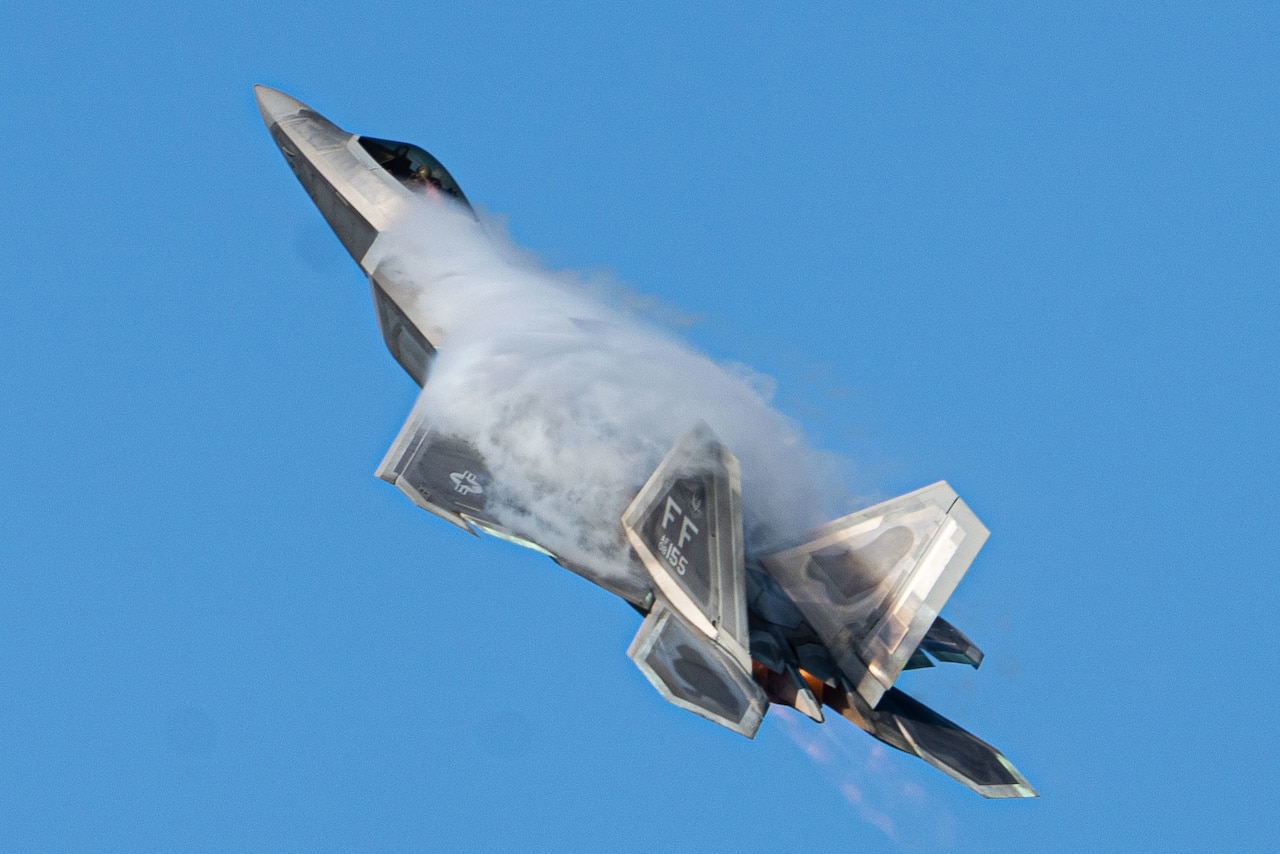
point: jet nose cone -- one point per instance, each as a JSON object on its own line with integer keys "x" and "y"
{"x": 275, "y": 105}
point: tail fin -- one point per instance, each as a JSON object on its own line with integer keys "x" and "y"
{"x": 872, "y": 584}
{"x": 686, "y": 526}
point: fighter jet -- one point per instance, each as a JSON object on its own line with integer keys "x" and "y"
{"x": 829, "y": 622}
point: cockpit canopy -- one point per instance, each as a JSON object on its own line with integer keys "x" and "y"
{"x": 413, "y": 167}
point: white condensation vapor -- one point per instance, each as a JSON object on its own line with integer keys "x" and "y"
{"x": 573, "y": 401}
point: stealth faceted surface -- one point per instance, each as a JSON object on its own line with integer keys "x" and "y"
{"x": 872, "y": 583}
{"x": 686, "y": 525}
{"x": 1029, "y": 248}
{"x": 953, "y": 750}
{"x": 695, "y": 674}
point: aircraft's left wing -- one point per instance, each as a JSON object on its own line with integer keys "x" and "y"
{"x": 441, "y": 474}
{"x": 446, "y": 475}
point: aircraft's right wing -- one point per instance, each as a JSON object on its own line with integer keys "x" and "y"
{"x": 872, "y": 584}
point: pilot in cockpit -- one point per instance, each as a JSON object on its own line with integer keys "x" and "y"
{"x": 429, "y": 182}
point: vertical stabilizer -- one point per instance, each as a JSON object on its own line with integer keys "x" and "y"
{"x": 686, "y": 526}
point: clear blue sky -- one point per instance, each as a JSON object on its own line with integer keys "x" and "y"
{"x": 1031, "y": 252}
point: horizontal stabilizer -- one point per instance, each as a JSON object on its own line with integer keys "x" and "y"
{"x": 872, "y": 584}
{"x": 912, "y": 727}
{"x": 695, "y": 674}
{"x": 953, "y": 750}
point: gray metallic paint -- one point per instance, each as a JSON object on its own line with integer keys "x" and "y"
{"x": 832, "y": 621}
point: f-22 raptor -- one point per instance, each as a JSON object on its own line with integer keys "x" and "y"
{"x": 829, "y": 623}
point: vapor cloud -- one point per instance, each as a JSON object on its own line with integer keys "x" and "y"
{"x": 573, "y": 400}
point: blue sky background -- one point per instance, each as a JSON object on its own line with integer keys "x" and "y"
{"x": 1032, "y": 252}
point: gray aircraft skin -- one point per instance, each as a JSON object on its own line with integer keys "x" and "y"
{"x": 830, "y": 622}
